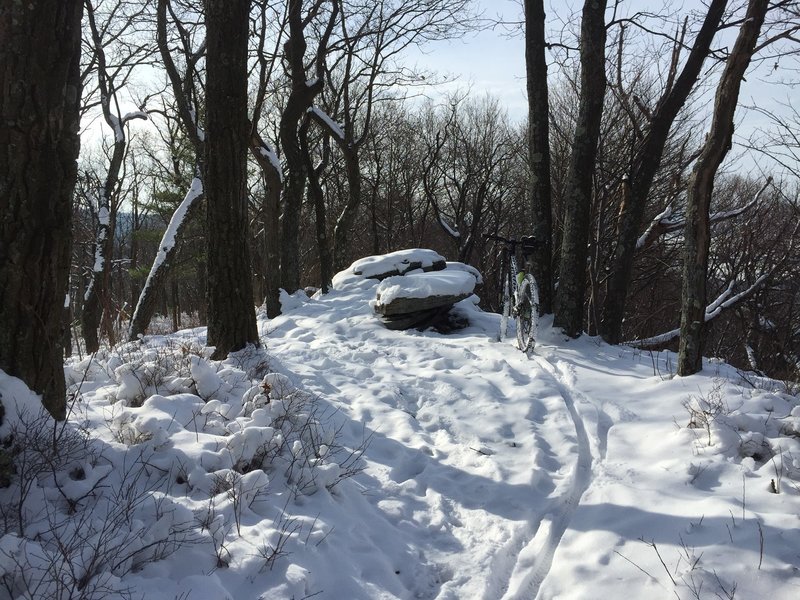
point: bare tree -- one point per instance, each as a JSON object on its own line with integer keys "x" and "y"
{"x": 266, "y": 157}
{"x": 365, "y": 67}
{"x": 231, "y": 314}
{"x": 301, "y": 97}
{"x": 647, "y": 160}
{"x": 185, "y": 92}
{"x": 39, "y": 118}
{"x": 701, "y": 186}
{"x": 470, "y": 150}
{"x": 577, "y": 200}
{"x": 539, "y": 150}
{"x": 115, "y": 25}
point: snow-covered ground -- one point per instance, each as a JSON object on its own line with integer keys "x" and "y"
{"x": 347, "y": 461}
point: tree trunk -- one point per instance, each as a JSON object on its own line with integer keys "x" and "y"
{"x": 300, "y": 99}
{"x": 539, "y": 190}
{"x": 268, "y": 162}
{"x": 317, "y": 197}
{"x": 346, "y": 220}
{"x": 162, "y": 264}
{"x": 701, "y": 185}
{"x": 578, "y": 191}
{"x": 231, "y": 315}
{"x": 644, "y": 169}
{"x": 96, "y": 297}
{"x": 39, "y": 143}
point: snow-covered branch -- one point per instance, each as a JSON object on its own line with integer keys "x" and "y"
{"x": 326, "y": 121}
{"x": 266, "y": 151}
{"x": 165, "y": 250}
{"x": 450, "y": 231}
{"x": 713, "y": 310}
{"x": 664, "y": 223}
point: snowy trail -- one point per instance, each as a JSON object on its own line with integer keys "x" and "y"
{"x": 498, "y": 490}
{"x": 487, "y": 474}
{"x": 536, "y": 558}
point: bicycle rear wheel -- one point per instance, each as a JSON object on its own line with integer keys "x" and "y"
{"x": 527, "y": 313}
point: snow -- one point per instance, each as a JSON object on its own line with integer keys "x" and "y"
{"x": 450, "y": 231}
{"x": 459, "y": 266}
{"x": 268, "y": 153}
{"x": 580, "y": 471}
{"x": 117, "y": 124}
{"x": 104, "y": 216}
{"x": 400, "y": 261}
{"x": 332, "y": 125}
{"x": 663, "y": 216}
{"x": 104, "y": 221}
{"x": 135, "y": 114}
{"x": 422, "y": 285}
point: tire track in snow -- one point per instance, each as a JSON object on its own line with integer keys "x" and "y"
{"x": 536, "y": 558}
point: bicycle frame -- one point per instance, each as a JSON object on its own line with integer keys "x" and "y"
{"x": 512, "y": 278}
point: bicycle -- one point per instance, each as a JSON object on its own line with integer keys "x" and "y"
{"x": 520, "y": 287}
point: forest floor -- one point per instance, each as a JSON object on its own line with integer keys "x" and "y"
{"x": 347, "y": 461}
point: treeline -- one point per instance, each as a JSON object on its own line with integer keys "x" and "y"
{"x": 345, "y": 161}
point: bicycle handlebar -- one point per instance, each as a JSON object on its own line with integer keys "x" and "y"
{"x": 526, "y": 241}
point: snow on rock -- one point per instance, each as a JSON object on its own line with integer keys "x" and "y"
{"x": 385, "y": 265}
{"x": 459, "y": 266}
{"x": 446, "y": 283}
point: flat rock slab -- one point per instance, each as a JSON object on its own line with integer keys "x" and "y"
{"x": 420, "y": 319}
{"x": 399, "y": 295}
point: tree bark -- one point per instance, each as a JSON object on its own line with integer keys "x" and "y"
{"x": 231, "y": 314}
{"x": 539, "y": 188}
{"x": 701, "y": 185}
{"x": 272, "y": 227}
{"x": 346, "y": 220}
{"x": 647, "y": 162}
{"x": 300, "y": 99}
{"x": 39, "y": 100}
{"x": 162, "y": 264}
{"x": 96, "y": 297}
{"x": 317, "y": 196}
{"x": 578, "y": 191}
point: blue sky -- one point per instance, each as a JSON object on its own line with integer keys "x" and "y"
{"x": 493, "y": 61}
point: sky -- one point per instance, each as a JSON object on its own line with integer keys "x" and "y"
{"x": 493, "y": 61}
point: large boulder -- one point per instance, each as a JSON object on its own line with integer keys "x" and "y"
{"x": 421, "y": 299}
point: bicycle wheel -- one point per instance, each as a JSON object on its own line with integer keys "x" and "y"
{"x": 505, "y": 306}
{"x": 527, "y": 313}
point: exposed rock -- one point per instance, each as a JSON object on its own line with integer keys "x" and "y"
{"x": 422, "y": 299}
{"x": 401, "y": 305}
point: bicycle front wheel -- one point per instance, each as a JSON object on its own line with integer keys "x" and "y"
{"x": 527, "y": 313}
